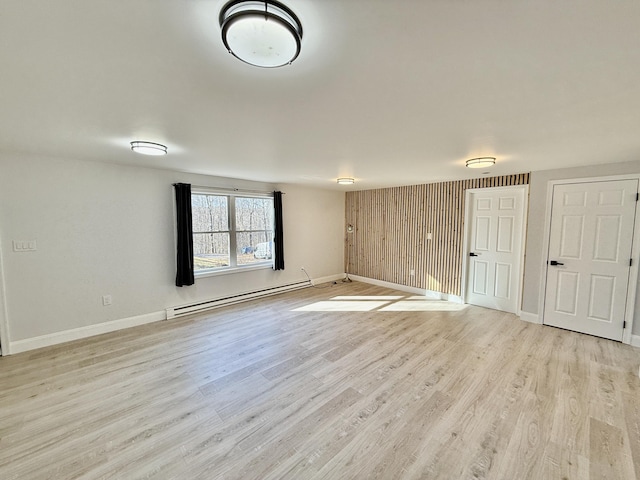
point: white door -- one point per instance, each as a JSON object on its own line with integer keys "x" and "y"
{"x": 496, "y": 219}
{"x": 588, "y": 262}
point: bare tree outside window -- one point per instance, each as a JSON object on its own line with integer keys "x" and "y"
{"x": 231, "y": 231}
{"x": 254, "y": 229}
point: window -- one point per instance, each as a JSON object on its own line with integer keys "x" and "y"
{"x": 231, "y": 231}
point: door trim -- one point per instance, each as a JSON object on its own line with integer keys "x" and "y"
{"x": 635, "y": 249}
{"x": 467, "y": 232}
{"x": 4, "y": 317}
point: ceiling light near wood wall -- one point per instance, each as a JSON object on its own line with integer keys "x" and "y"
{"x": 346, "y": 181}
{"x": 481, "y": 162}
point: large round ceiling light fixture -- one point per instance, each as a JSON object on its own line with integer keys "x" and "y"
{"x": 261, "y": 33}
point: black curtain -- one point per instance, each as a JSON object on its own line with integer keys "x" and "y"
{"x": 278, "y": 263}
{"x": 184, "y": 264}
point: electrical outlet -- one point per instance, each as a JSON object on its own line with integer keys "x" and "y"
{"x": 106, "y": 300}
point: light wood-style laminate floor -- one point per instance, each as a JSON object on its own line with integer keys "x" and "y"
{"x": 347, "y": 382}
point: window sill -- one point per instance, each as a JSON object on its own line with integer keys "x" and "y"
{"x": 227, "y": 271}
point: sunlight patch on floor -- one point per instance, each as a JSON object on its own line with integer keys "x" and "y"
{"x": 423, "y": 306}
{"x": 368, "y": 297}
{"x": 381, "y": 303}
{"x": 341, "y": 306}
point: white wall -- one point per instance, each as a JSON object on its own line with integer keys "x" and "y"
{"x": 314, "y": 231}
{"x": 536, "y": 224}
{"x": 109, "y": 229}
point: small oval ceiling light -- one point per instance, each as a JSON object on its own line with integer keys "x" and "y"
{"x": 481, "y": 162}
{"x": 148, "y": 148}
{"x": 261, "y": 33}
{"x": 346, "y": 181}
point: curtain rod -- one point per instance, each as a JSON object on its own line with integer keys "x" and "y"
{"x": 232, "y": 189}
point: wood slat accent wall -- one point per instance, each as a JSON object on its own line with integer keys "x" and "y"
{"x": 390, "y": 232}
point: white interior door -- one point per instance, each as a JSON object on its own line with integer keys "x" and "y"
{"x": 588, "y": 262}
{"x": 494, "y": 245}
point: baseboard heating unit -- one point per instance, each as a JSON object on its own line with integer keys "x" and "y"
{"x": 198, "y": 307}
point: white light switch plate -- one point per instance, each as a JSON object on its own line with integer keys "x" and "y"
{"x": 25, "y": 246}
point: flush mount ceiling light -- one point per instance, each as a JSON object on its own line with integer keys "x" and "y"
{"x": 346, "y": 181}
{"x": 261, "y": 33}
{"x": 148, "y": 148}
{"x": 481, "y": 162}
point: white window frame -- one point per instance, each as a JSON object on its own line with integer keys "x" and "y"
{"x": 233, "y": 244}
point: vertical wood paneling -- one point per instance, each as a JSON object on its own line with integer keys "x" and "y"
{"x": 391, "y": 226}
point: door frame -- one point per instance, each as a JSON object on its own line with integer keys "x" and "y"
{"x": 4, "y": 317}
{"x": 467, "y": 232}
{"x": 635, "y": 250}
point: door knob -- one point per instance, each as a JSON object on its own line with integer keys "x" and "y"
{"x": 553, "y": 262}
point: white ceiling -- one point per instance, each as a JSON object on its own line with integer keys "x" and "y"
{"x": 389, "y": 92}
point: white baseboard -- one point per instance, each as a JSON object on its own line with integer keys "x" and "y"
{"x": 20, "y": 346}
{"x": 530, "y": 317}
{"x": 405, "y": 288}
{"x": 635, "y": 340}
